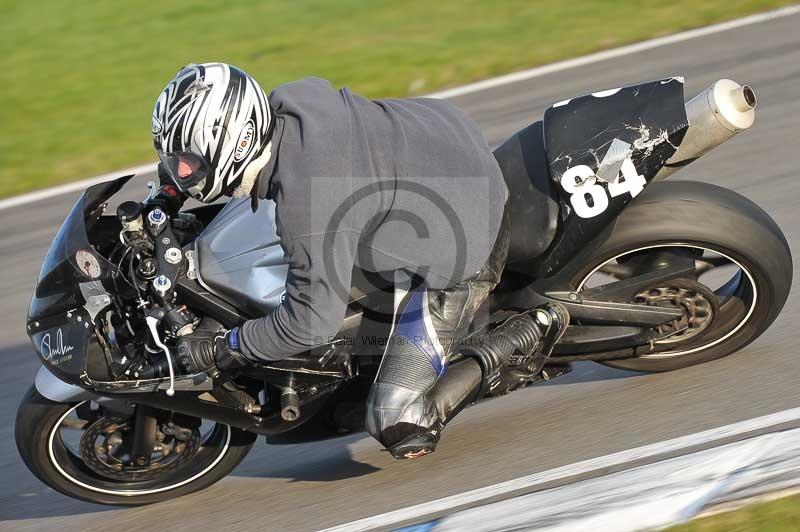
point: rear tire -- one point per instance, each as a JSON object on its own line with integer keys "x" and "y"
{"x": 38, "y": 418}
{"x": 706, "y": 216}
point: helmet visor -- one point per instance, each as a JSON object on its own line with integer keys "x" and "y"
{"x": 188, "y": 170}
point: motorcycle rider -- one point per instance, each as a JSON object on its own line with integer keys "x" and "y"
{"x": 311, "y": 149}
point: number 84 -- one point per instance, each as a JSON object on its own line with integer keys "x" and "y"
{"x": 589, "y": 198}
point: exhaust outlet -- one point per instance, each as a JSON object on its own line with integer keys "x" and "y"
{"x": 743, "y": 98}
{"x": 715, "y": 116}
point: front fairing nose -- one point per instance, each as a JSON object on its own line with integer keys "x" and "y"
{"x": 72, "y": 259}
{"x": 59, "y": 325}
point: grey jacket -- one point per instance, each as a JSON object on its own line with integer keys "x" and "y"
{"x": 380, "y": 185}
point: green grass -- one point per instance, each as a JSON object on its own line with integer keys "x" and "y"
{"x": 781, "y": 515}
{"x": 79, "y": 77}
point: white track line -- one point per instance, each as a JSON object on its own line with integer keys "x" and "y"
{"x": 616, "y": 52}
{"x": 39, "y": 195}
{"x": 579, "y": 468}
{"x": 648, "y": 497}
{"x": 48, "y": 193}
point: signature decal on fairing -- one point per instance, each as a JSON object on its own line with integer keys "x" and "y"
{"x": 50, "y": 349}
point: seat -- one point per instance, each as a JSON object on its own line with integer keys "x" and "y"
{"x": 533, "y": 202}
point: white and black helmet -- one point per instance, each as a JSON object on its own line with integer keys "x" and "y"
{"x": 209, "y": 123}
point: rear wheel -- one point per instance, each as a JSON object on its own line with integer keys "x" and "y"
{"x": 84, "y": 450}
{"x": 741, "y": 279}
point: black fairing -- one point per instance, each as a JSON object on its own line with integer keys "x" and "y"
{"x": 58, "y": 325}
{"x": 57, "y": 289}
{"x": 650, "y": 118}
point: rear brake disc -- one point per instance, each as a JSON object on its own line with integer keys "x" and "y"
{"x": 698, "y": 303}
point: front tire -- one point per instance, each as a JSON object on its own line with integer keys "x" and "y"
{"x": 702, "y": 216}
{"x": 38, "y": 436}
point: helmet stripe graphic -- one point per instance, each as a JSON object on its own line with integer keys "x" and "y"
{"x": 208, "y": 109}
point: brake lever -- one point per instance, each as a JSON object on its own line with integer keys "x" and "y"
{"x": 152, "y": 324}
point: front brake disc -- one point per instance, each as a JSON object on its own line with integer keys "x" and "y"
{"x": 105, "y": 449}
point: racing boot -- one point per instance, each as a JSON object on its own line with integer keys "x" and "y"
{"x": 400, "y": 413}
{"x": 455, "y": 390}
{"x": 516, "y": 350}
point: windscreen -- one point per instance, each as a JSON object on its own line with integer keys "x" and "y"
{"x": 71, "y": 259}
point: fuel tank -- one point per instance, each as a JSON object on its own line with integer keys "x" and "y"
{"x": 240, "y": 259}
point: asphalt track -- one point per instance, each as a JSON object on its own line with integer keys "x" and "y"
{"x": 592, "y": 412}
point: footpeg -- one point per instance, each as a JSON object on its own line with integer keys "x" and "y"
{"x": 290, "y": 405}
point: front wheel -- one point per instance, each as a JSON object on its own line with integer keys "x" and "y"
{"x": 83, "y": 450}
{"x": 743, "y": 270}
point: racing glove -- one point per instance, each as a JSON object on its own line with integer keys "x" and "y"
{"x": 211, "y": 349}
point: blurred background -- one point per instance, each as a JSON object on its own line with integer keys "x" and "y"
{"x": 80, "y": 78}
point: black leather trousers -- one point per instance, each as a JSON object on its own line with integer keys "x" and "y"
{"x": 417, "y": 391}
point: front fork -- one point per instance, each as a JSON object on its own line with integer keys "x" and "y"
{"x": 144, "y": 435}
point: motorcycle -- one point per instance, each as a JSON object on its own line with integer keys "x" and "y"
{"x": 656, "y": 276}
